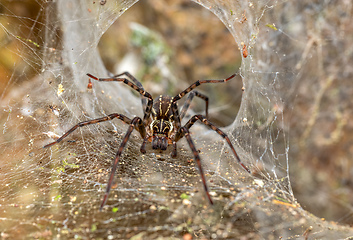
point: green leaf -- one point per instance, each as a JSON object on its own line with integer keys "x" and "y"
{"x": 184, "y": 196}
{"x": 272, "y": 26}
{"x": 57, "y": 197}
{"x": 93, "y": 227}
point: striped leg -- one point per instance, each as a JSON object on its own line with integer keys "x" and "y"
{"x": 186, "y": 133}
{"x": 186, "y": 105}
{"x": 129, "y": 75}
{"x": 198, "y": 83}
{"x": 177, "y": 127}
{"x": 204, "y": 120}
{"x": 94, "y": 121}
{"x": 137, "y": 82}
{"x": 133, "y": 86}
{"x": 135, "y": 122}
{"x": 175, "y": 108}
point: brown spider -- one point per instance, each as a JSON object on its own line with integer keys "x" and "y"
{"x": 160, "y": 124}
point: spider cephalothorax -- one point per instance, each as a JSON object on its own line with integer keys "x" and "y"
{"x": 160, "y": 124}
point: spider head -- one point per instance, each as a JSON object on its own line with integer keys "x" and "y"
{"x": 160, "y": 132}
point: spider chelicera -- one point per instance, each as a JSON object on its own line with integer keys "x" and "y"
{"x": 160, "y": 124}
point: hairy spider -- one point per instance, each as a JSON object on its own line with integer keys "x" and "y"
{"x": 160, "y": 124}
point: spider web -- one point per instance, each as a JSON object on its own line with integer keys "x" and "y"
{"x": 56, "y": 192}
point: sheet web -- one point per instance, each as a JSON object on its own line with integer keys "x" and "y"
{"x": 56, "y": 192}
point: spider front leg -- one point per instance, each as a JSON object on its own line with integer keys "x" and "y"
{"x": 198, "y": 83}
{"x": 177, "y": 117}
{"x": 186, "y": 105}
{"x": 135, "y": 122}
{"x": 137, "y": 88}
{"x": 94, "y": 121}
{"x": 186, "y": 133}
{"x": 204, "y": 120}
{"x": 137, "y": 82}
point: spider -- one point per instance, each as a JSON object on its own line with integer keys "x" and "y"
{"x": 160, "y": 124}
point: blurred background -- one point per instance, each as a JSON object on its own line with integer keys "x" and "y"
{"x": 319, "y": 104}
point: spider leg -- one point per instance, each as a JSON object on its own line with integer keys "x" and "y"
{"x": 133, "y": 86}
{"x": 137, "y": 82}
{"x": 197, "y": 159}
{"x": 186, "y": 105}
{"x": 135, "y": 121}
{"x": 177, "y": 127}
{"x": 143, "y": 145}
{"x": 174, "y": 151}
{"x": 204, "y": 120}
{"x": 198, "y": 83}
{"x": 182, "y": 94}
{"x": 94, "y": 121}
{"x": 185, "y": 132}
{"x": 177, "y": 117}
{"x": 129, "y": 75}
